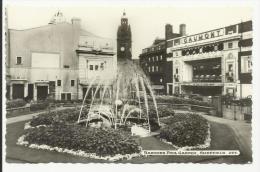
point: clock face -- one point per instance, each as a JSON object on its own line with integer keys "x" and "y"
{"x": 122, "y": 49}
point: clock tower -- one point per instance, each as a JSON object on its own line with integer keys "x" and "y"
{"x": 124, "y": 39}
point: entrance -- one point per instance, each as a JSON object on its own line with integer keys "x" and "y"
{"x": 203, "y": 90}
{"x": 30, "y": 91}
{"x": 18, "y": 91}
{"x": 42, "y": 92}
{"x": 170, "y": 89}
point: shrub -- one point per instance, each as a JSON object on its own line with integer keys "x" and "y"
{"x": 15, "y": 103}
{"x": 68, "y": 116}
{"x": 39, "y": 106}
{"x": 178, "y": 100}
{"x": 91, "y": 140}
{"x": 185, "y": 130}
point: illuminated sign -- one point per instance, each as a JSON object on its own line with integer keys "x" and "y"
{"x": 202, "y": 36}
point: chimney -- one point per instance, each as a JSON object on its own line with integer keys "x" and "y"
{"x": 183, "y": 29}
{"x": 168, "y": 31}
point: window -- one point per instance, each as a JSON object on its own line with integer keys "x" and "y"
{"x": 157, "y": 68}
{"x": 215, "y": 48}
{"x": 90, "y": 67}
{"x": 58, "y": 82}
{"x": 230, "y": 67}
{"x": 102, "y": 66}
{"x": 177, "y": 71}
{"x": 72, "y": 83}
{"x": 246, "y": 64}
{"x": 149, "y": 69}
{"x": 230, "y": 45}
{"x": 152, "y": 68}
{"x": 65, "y": 96}
{"x": 161, "y": 57}
{"x": 201, "y": 50}
{"x": 66, "y": 66}
{"x": 96, "y": 67}
{"x": 18, "y": 60}
{"x": 153, "y": 59}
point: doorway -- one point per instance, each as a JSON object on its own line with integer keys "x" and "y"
{"x": 42, "y": 92}
{"x": 18, "y": 91}
{"x": 30, "y": 91}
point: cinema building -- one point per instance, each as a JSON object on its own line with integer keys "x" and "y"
{"x": 58, "y": 60}
{"x": 215, "y": 62}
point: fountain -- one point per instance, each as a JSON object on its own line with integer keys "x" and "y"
{"x": 128, "y": 88}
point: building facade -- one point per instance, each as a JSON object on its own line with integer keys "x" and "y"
{"x": 215, "y": 62}
{"x": 58, "y": 60}
{"x": 153, "y": 60}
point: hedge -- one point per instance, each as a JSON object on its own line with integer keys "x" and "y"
{"x": 39, "y": 106}
{"x": 15, "y": 103}
{"x": 178, "y": 100}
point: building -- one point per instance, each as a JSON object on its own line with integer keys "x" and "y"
{"x": 153, "y": 61}
{"x": 215, "y": 62}
{"x": 124, "y": 39}
{"x": 58, "y": 60}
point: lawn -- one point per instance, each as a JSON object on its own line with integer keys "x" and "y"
{"x": 222, "y": 139}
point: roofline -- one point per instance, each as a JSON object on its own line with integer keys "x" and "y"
{"x": 209, "y": 30}
{"x": 38, "y": 27}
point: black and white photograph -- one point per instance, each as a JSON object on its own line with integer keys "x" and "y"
{"x": 128, "y": 83}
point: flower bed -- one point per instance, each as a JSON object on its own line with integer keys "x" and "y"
{"x": 186, "y": 130}
{"x": 107, "y": 142}
{"x": 58, "y": 131}
{"x": 15, "y": 103}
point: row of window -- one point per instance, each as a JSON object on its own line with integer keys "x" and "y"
{"x": 153, "y": 69}
{"x": 72, "y": 83}
{"x": 155, "y": 58}
{"x": 152, "y": 49}
{"x": 96, "y": 67}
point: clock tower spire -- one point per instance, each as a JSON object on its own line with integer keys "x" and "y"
{"x": 124, "y": 39}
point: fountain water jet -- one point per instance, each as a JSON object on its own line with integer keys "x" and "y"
{"x": 128, "y": 84}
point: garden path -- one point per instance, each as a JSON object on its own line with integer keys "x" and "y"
{"x": 30, "y": 116}
{"x": 242, "y": 132}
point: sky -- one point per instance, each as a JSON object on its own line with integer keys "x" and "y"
{"x": 147, "y": 22}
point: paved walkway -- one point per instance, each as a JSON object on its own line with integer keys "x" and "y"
{"x": 30, "y": 116}
{"x": 242, "y": 130}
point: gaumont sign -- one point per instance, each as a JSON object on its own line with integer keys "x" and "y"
{"x": 202, "y": 36}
